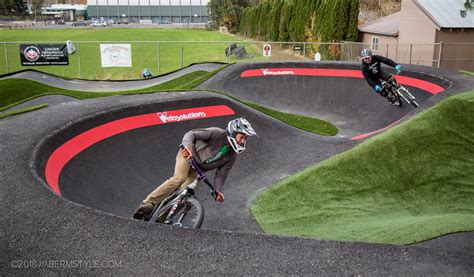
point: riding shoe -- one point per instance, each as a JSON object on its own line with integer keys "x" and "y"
{"x": 143, "y": 211}
{"x": 395, "y": 103}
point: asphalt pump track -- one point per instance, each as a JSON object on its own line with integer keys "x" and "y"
{"x": 74, "y": 172}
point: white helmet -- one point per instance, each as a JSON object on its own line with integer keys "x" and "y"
{"x": 235, "y": 126}
{"x": 366, "y": 53}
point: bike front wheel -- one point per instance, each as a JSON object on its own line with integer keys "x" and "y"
{"x": 188, "y": 214}
{"x": 408, "y": 96}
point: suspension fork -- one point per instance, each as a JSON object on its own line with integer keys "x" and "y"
{"x": 183, "y": 214}
{"x": 189, "y": 190}
{"x": 403, "y": 96}
{"x": 178, "y": 202}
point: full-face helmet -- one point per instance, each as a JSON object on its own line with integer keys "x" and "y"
{"x": 236, "y": 126}
{"x": 366, "y": 53}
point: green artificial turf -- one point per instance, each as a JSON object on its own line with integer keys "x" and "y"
{"x": 411, "y": 183}
{"x": 470, "y": 73}
{"x": 309, "y": 124}
{"x": 14, "y": 91}
{"x": 24, "y": 110}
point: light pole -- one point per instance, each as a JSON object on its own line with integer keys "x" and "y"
{"x": 195, "y": 17}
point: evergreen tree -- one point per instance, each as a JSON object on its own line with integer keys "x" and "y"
{"x": 254, "y": 22}
{"x": 262, "y": 22}
{"x": 275, "y": 17}
{"x": 14, "y": 7}
{"x": 20, "y": 7}
{"x": 352, "y": 29}
{"x": 301, "y": 20}
{"x": 286, "y": 13}
{"x": 227, "y": 12}
{"x": 36, "y": 6}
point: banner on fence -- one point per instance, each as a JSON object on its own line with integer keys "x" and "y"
{"x": 43, "y": 54}
{"x": 116, "y": 55}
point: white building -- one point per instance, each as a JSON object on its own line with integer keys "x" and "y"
{"x": 65, "y": 11}
{"x": 176, "y": 11}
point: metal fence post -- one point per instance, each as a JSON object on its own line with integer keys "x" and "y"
{"x": 158, "y": 55}
{"x": 439, "y": 54}
{"x": 396, "y": 51}
{"x": 6, "y": 56}
{"x": 411, "y": 46}
{"x": 304, "y": 51}
{"x": 79, "y": 59}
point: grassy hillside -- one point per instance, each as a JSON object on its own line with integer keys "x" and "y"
{"x": 411, "y": 183}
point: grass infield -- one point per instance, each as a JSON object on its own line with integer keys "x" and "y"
{"x": 305, "y": 123}
{"x": 411, "y": 183}
{"x": 24, "y": 110}
{"x": 159, "y": 50}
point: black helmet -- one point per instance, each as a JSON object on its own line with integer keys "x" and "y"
{"x": 366, "y": 53}
{"x": 235, "y": 126}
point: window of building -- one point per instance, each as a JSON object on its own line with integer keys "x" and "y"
{"x": 375, "y": 43}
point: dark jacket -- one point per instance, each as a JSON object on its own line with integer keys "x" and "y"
{"x": 204, "y": 144}
{"x": 373, "y": 72}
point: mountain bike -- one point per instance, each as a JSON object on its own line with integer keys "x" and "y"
{"x": 396, "y": 92}
{"x": 182, "y": 208}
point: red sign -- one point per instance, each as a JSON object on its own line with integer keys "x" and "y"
{"x": 74, "y": 146}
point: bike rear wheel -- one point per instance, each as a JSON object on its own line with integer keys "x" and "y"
{"x": 188, "y": 214}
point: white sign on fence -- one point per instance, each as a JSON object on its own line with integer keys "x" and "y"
{"x": 116, "y": 55}
{"x": 267, "y": 50}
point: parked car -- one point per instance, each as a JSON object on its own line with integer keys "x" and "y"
{"x": 99, "y": 23}
{"x": 80, "y": 23}
{"x": 110, "y": 21}
{"x": 164, "y": 22}
{"x": 122, "y": 21}
{"x": 60, "y": 22}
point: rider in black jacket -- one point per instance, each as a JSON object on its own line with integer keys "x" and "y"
{"x": 372, "y": 71}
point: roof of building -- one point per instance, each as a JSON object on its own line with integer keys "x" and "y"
{"x": 387, "y": 25}
{"x": 447, "y": 13}
{"x": 65, "y": 7}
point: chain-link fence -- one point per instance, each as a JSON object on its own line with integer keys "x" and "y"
{"x": 161, "y": 57}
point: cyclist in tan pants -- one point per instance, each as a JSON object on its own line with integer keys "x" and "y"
{"x": 212, "y": 148}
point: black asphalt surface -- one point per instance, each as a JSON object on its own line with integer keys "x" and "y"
{"x": 347, "y": 102}
{"x": 107, "y": 86}
{"x": 89, "y": 231}
{"x": 95, "y": 86}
